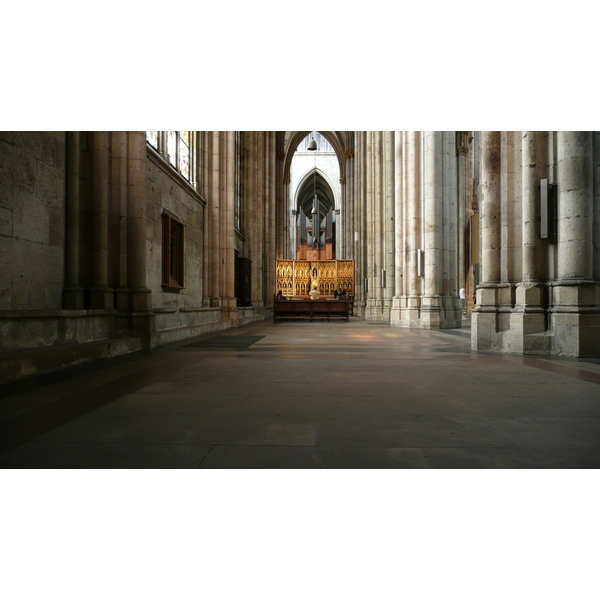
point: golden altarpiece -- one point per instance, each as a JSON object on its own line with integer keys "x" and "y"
{"x": 295, "y": 278}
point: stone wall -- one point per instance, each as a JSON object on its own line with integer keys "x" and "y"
{"x": 170, "y": 193}
{"x": 32, "y": 219}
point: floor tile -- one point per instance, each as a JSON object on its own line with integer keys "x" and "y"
{"x": 63, "y": 455}
{"x": 296, "y": 457}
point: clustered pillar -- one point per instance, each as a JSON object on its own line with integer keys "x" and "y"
{"x": 425, "y": 230}
{"x": 545, "y": 280}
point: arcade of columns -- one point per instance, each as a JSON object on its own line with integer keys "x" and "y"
{"x": 407, "y": 203}
{"x": 405, "y": 215}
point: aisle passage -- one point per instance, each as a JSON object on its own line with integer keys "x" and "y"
{"x": 312, "y": 395}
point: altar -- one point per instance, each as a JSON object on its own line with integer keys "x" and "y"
{"x": 296, "y": 278}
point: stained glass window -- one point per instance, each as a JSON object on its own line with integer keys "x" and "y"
{"x": 172, "y": 147}
{"x": 184, "y": 154}
{"x": 152, "y": 138}
{"x": 180, "y": 147}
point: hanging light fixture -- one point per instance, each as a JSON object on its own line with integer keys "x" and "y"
{"x": 312, "y": 145}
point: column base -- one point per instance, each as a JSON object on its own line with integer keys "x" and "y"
{"x": 73, "y": 297}
{"x": 575, "y": 318}
{"x": 101, "y": 297}
{"x": 570, "y": 327}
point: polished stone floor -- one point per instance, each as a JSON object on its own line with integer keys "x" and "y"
{"x": 304, "y": 395}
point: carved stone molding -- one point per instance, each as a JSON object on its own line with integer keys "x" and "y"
{"x": 343, "y": 181}
{"x": 349, "y": 154}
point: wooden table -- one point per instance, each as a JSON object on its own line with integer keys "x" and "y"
{"x": 309, "y": 309}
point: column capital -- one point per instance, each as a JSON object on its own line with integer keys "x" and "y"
{"x": 349, "y": 154}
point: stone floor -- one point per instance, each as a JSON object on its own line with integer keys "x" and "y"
{"x": 304, "y": 395}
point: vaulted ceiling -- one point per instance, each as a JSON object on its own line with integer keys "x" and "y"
{"x": 288, "y": 141}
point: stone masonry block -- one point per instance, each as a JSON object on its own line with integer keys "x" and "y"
{"x": 50, "y": 184}
{"x": 27, "y": 294}
{"x": 17, "y": 168}
{"x": 528, "y": 294}
{"x": 574, "y": 295}
{"x": 5, "y": 295}
{"x": 487, "y": 296}
{"x": 6, "y": 221}
{"x": 39, "y": 144}
{"x": 31, "y": 219}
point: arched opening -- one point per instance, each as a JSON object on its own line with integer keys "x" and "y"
{"x": 314, "y": 199}
{"x": 315, "y": 218}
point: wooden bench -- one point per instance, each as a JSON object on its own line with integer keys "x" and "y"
{"x": 309, "y": 309}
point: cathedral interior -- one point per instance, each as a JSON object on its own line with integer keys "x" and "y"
{"x": 294, "y": 301}
{"x": 142, "y": 329}
{"x": 152, "y": 260}
{"x": 242, "y": 361}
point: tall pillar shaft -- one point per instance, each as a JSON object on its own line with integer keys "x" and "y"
{"x": 575, "y": 314}
{"x": 215, "y": 198}
{"x": 490, "y": 207}
{"x": 462, "y": 204}
{"x": 136, "y": 296}
{"x": 575, "y": 209}
{"x": 73, "y": 291}
{"x": 432, "y": 200}
{"x": 229, "y": 248}
{"x": 100, "y": 294}
{"x": 413, "y": 214}
{"x": 377, "y": 240}
{"x": 531, "y": 157}
{"x": 389, "y": 217}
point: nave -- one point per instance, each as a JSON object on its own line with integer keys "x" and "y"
{"x": 333, "y": 395}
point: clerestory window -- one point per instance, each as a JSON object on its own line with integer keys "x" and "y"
{"x": 178, "y": 148}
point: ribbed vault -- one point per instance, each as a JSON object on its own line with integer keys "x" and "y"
{"x": 306, "y": 192}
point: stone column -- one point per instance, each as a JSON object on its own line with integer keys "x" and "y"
{"x": 340, "y": 248}
{"x": 269, "y": 219}
{"x": 413, "y": 228}
{"x": 136, "y": 219}
{"x": 348, "y": 212}
{"x": 449, "y": 263}
{"x": 101, "y": 295}
{"x": 369, "y": 231}
{"x": 484, "y": 326}
{"x": 462, "y": 152}
{"x": 490, "y": 207}
{"x": 229, "y": 300}
{"x": 377, "y": 238}
{"x": 432, "y": 209}
{"x": 257, "y": 223}
{"x": 142, "y": 319}
{"x": 529, "y": 315}
{"x": 360, "y": 224}
{"x": 389, "y": 220}
{"x": 117, "y": 245}
{"x": 281, "y": 208}
{"x": 289, "y": 231}
{"x": 576, "y": 317}
{"x": 575, "y": 209}
{"x": 399, "y": 200}
{"x": 224, "y": 229}
{"x": 73, "y": 290}
{"x": 596, "y": 167}
{"x": 215, "y": 198}
{"x": 207, "y": 212}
